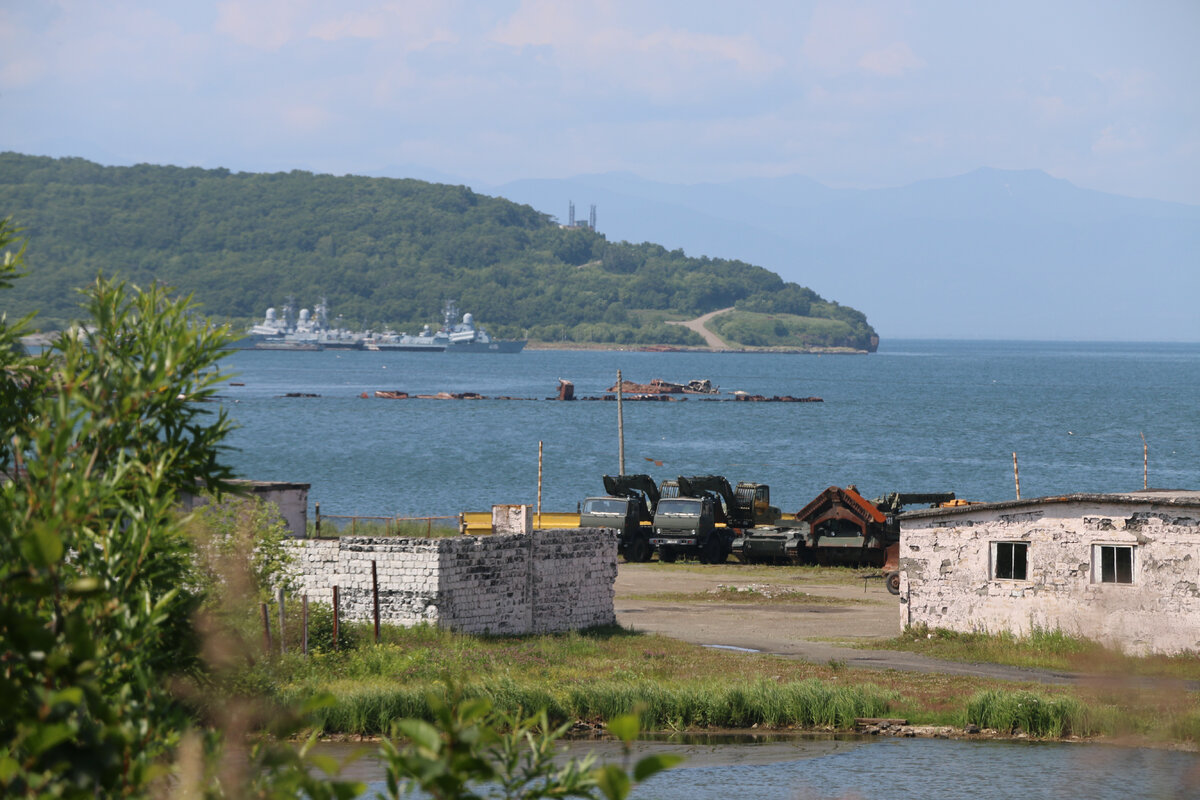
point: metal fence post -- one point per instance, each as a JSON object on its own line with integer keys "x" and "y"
{"x": 375, "y": 592}
{"x": 335, "y": 617}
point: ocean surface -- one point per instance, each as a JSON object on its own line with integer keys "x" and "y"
{"x": 918, "y": 416}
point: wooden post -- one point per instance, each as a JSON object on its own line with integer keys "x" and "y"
{"x": 1145, "y": 462}
{"x": 282, "y": 638}
{"x": 620, "y": 428}
{"x": 304, "y": 623}
{"x": 539, "y": 507}
{"x": 1017, "y": 476}
{"x": 335, "y": 618}
{"x": 318, "y": 523}
{"x": 375, "y": 592}
{"x": 266, "y": 618}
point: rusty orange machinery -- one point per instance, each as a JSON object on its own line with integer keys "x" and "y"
{"x": 845, "y": 527}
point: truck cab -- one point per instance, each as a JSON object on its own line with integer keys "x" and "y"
{"x": 689, "y": 525}
{"x": 629, "y": 508}
{"x": 623, "y": 514}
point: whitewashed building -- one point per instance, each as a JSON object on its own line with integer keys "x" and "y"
{"x": 1122, "y": 569}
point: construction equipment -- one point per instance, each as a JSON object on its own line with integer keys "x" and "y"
{"x": 839, "y": 526}
{"x": 845, "y": 528}
{"x": 629, "y": 507}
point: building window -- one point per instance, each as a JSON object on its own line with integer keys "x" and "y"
{"x": 1010, "y": 560}
{"x": 1112, "y": 563}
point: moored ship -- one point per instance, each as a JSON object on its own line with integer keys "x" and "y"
{"x": 467, "y": 337}
{"x": 426, "y": 341}
{"x": 303, "y": 331}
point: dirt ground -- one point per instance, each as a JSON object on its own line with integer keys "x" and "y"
{"x": 821, "y": 628}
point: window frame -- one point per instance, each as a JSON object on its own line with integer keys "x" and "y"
{"x": 1012, "y": 560}
{"x": 1098, "y": 566}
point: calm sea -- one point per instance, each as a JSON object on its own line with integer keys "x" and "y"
{"x": 917, "y": 416}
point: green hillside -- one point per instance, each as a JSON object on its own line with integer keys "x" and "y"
{"x": 383, "y": 252}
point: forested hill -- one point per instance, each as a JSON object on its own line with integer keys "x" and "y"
{"x": 383, "y": 252}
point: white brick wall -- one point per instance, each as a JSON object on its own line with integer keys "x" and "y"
{"x": 543, "y": 582}
{"x": 946, "y": 570}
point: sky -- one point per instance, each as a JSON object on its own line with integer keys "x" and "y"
{"x": 851, "y": 94}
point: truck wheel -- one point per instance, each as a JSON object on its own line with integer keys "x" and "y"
{"x": 892, "y": 581}
{"x": 639, "y": 550}
{"x": 667, "y": 555}
{"x": 712, "y": 552}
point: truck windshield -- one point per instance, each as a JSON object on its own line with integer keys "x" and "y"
{"x": 678, "y": 506}
{"x": 604, "y": 505}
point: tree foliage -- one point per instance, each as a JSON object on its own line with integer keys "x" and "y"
{"x": 113, "y": 683}
{"x": 109, "y": 428}
{"x": 383, "y": 251}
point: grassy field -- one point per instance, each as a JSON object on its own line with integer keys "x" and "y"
{"x": 595, "y": 675}
{"x": 1052, "y": 650}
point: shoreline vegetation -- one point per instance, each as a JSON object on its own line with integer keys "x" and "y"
{"x": 534, "y": 345}
{"x": 581, "y": 679}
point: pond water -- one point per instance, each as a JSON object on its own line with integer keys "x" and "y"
{"x": 823, "y": 768}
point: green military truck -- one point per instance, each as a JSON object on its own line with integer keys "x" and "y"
{"x": 628, "y": 507}
{"x": 704, "y": 516}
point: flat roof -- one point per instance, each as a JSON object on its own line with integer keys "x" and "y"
{"x": 1172, "y": 498}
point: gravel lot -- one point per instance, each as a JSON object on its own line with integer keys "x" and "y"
{"x": 820, "y": 628}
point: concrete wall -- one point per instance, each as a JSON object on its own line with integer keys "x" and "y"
{"x": 290, "y": 498}
{"x": 543, "y": 582}
{"x": 946, "y": 569}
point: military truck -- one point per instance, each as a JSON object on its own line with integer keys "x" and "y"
{"x": 629, "y": 507}
{"x": 703, "y": 516}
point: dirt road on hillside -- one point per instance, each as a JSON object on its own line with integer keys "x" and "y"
{"x": 697, "y": 325}
{"x": 821, "y": 625}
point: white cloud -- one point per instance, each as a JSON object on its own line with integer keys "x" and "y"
{"x": 263, "y": 24}
{"x": 664, "y": 62}
{"x": 412, "y": 24}
{"x": 892, "y": 61}
{"x": 306, "y": 117}
{"x": 1115, "y": 140}
{"x": 839, "y": 35}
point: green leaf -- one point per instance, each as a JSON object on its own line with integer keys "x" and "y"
{"x": 613, "y": 781}
{"x": 43, "y": 548}
{"x": 421, "y": 733}
{"x": 83, "y": 586}
{"x": 652, "y": 765}
{"x": 625, "y": 727}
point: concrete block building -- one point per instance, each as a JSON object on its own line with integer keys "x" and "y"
{"x": 1122, "y": 569}
{"x": 547, "y": 581}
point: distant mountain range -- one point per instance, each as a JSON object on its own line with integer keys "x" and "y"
{"x": 992, "y": 254}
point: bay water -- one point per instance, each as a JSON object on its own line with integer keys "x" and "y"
{"x": 918, "y": 416}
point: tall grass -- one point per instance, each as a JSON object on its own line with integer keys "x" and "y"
{"x": 371, "y": 709}
{"x": 1034, "y": 714}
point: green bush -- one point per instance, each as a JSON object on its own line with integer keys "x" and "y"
{"x": 1035, "y": 714}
